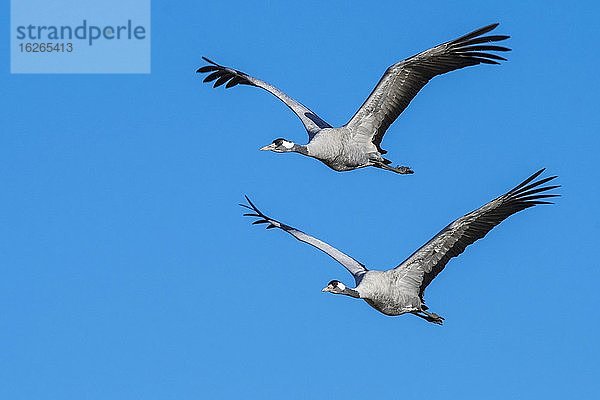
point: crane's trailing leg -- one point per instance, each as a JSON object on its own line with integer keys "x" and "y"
{"x": 399, "y": 169}
{"x": 429, "y": 317}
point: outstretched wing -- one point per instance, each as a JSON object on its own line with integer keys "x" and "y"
{"x": 418, "y": 270}
{"x": 402, "y": 81}
{"x": 353, "y": 266}
{"x": 312, "y": 122}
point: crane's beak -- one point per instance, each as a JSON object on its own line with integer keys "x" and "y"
{"x": 268, "y": 147}
{"x": 326, "y": 289}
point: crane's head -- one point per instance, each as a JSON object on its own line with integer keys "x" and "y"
{"x": 280, "y": 146}
{"x": 337, "y": 287}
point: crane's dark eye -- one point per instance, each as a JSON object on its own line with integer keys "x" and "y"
{"x": 278, "y": 142}
{"x": 332, "y": 283}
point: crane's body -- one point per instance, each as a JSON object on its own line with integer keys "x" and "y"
{"x": 383, "y": 291}
{"x": 334, "y": 147}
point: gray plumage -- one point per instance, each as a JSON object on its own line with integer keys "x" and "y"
{"x": 357, "y": 144}
{"x": 401, "y": 289}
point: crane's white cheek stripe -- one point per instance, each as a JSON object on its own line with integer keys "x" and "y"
{"x": 288, "y": 145}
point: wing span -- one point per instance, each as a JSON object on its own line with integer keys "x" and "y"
{"x": 427, "y": 262}
{"x": 402, "y": 81}
{"x": 312, "y": 122}
{"x": 353, "y": 266}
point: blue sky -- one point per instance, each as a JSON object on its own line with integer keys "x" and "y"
{"x": 129, "y": 272}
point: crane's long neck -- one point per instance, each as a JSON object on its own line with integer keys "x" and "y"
{"x": 351, "y": 292}
{"x": 337, "y": 287}
{"x": 300, "y": 148}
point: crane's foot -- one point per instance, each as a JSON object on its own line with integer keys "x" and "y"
{"x": 403, "y": 170}
{"x": 430, "y": 317}
{"x": 399, "y": 169}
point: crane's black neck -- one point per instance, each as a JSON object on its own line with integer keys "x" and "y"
{"x": 350, "y": 292}
{"x": 300, "y": 148}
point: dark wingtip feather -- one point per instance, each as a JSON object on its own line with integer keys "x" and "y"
{"x": 256, "y": 214}
{"x": 537, "y": 196}
{"x": 210, "y": 61}
{"x": 211, "y": 77}
{"x": 477, "y": 32}
{"x": 526, "y": 181}
{"x": 487, "y": 47}
{"x": 477, "y": 54}
{"x": 207, "y": 68}
{"x": 487, "y": 28}
{"x": 530, "y": 192}
{"x": 222, "y": 80}
{"x": 231, "y": 83}
{"x": 253, "y": 207}
{"x": 532, "y": 185}
{"x": 483, "y": 39}
{"x": 495, "y": 38}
